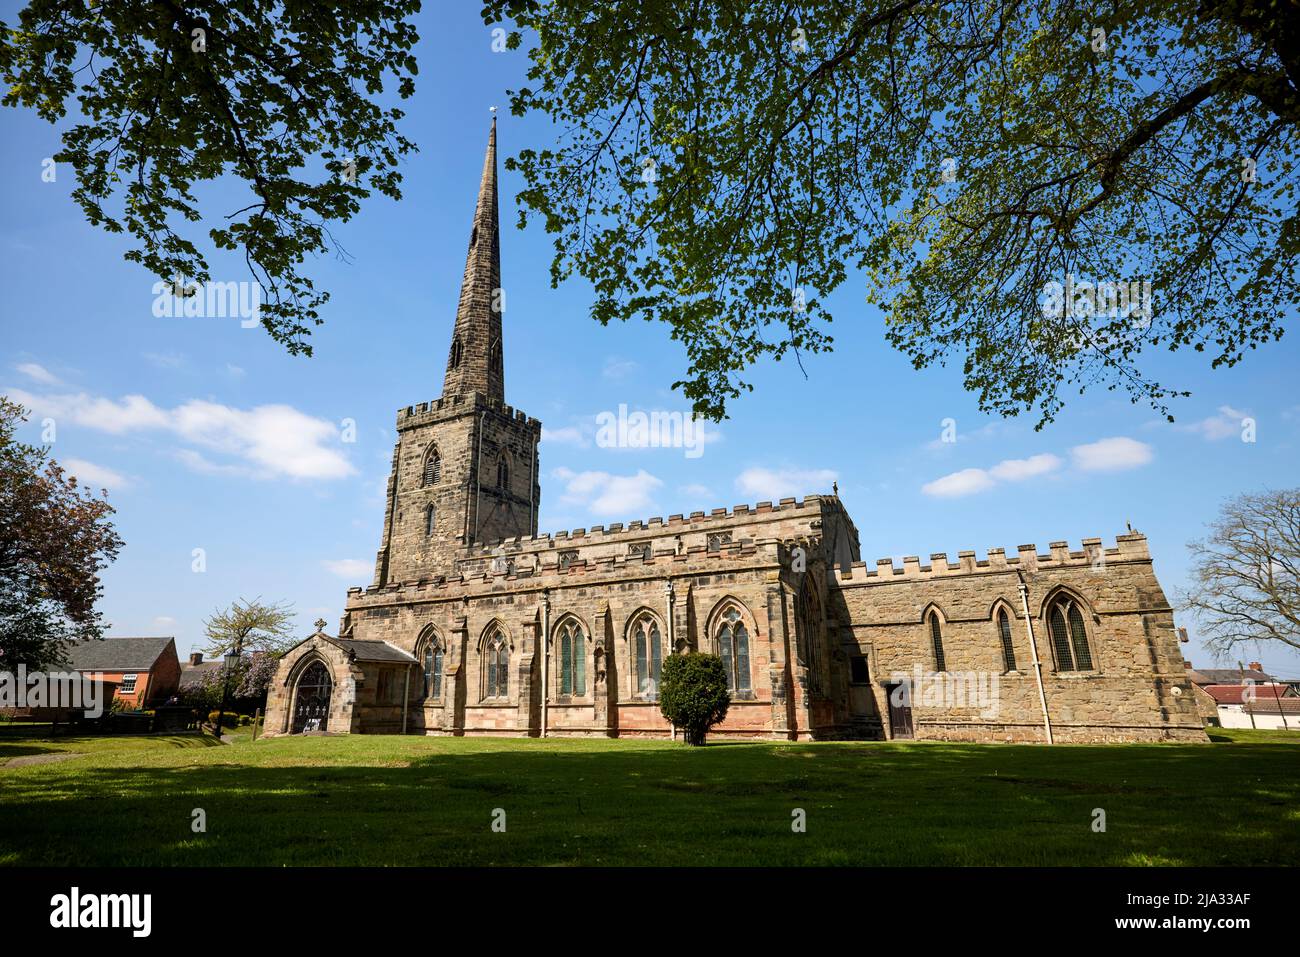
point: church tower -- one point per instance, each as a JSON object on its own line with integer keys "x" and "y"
{"x": 465, "y": 465}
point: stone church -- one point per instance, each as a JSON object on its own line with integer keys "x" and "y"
{"x": 475, "y": 624}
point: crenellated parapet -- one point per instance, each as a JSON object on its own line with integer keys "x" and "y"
{"x": 620, "y": 531}
{"x": 550, "y": 572}
{"x": 701, "y": 539}
{"x": 435, "y": 410}
{"x": 1128, "y": 548}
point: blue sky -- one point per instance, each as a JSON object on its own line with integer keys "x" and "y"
{"x": 209, "y": 436}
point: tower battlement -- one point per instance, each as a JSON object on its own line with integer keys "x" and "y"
{"x": 462, "y": 404}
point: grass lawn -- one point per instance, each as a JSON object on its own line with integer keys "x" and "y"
{"x": 411, "y": 800}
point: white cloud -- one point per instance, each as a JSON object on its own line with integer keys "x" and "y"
{"x": 1111, "y": 455}
{"x": 972, "y": 481}
{"x": 278, "y": 438}
{"x": 616, "y": 368}
{"x": 697, "y": 491}
{"x": 134, "y": 412}
{"x": 95, "y": 476}
{"x": 771, "y": 484}
{"x": 164, "y": 621}
{"x": 1017, "y": 470}
{"x": 197, "y": 462}
{"x": 38, "y": 372}
{"x": 1225, "y": 425}
{"x": 604, "y": 494}
{"x": 270, "y": 441}
{"x": 965, "y": 482}
{"x": 349, "y": 567}
{"x": 990, "y": 430}
{"x": 568, "y": 435}
{"x": 165, "y": 360}
{"x": 1116, "y": 453}
{"x": 235, "y": 372}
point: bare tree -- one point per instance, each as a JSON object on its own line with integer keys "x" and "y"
{"x": 1247, "y": 572}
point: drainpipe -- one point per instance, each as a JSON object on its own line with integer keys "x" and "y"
{"x": 1033, "y": 649}
{"x": 546, "y": 656}
{"x": 672, "y": 627}
{"x": 406, "y": 697}
{"x": 672, "y": 631}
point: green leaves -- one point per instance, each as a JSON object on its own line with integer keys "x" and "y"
{"x": 56, "y": 537}
{"x": 693, "y": 694}
{"x": 170, "y": 95}
{"x": 962, "y": 155}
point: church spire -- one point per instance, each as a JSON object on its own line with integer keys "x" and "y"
{"x": 476, "y": 363}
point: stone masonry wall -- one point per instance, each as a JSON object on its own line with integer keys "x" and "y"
{"x": 1136, "y": 690}
{"x": 465, "y": 431}
{"x": 343, "y": 716}
{"x": 604, "y": 603}
{"x": 604, "y": 579}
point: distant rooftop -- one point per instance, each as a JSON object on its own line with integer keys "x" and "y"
{"x": 118, "y": 654}
{"x": 1236, "y": 694}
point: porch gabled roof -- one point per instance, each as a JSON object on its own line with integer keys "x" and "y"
{"x": 363, "y": 650}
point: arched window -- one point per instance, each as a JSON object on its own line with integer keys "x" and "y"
{"x": 1069, "y": 637}
{"x": 432, "y": 467}
{"x": 936, "y": 639}
{"x": 647, "y": 656}
{"x": 503, "y": 473}
{"x": 496, "y": 662}
{"x": 432, "y": 663}
{"x": 1004, "y": 632}
{"x": 455, "y": 352}
{"x": 808, "y": 610}
{"x": 573, "y": 659}
{"x": 495, "y": 357}
{"x": 430, "y": 519}
{"x": 733, "y": 648}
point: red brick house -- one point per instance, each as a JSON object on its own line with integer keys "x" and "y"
{"x": 145, "y": 670}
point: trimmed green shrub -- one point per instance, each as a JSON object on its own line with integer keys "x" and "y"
{"x": 693, "y": 694}
{"x": 229, "y": 720}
